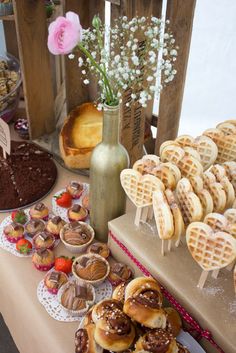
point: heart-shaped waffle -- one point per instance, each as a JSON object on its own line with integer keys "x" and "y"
{"x": 165, "y": 175}
{"x": 190, "y": 166}
{"x": 172, "y": 153}
{"x": 226, "y": 145}
{"x": 216, "y": 221}
{"x": 230, "y": 168}
{"x": 232, "y": 121}
{"x": 216, "y": 190}
{"x": 190, "y": 151}
{"x": 163, "y": 216}
{"x": 203, "y": 194}
{"x": 205, "y": 147}
{"x": 227, "y": 128}
{"x": 139, "y": 188}
{"x": 177, "y": 217}
{"x": 167, "y": 143}
{"x": 188, "y": 201}
{"x": 220, "y": 174}
{"x": 230, "y": 214}
{"x": 146, "y": 164}
{"x": 174, "y": 170}
{"x": 211, "y": 250}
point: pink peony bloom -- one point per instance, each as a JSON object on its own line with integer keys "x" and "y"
{"x": 64, "y": 34}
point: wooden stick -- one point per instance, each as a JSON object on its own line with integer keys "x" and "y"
{"x": 202, "y": 279}
{"x": 4, "y": 154}
{"x": 144, "y": 213}
{"x": 215, "y": 273}
{"x": 150, "y": 213}
{"x": 169, "y": 245}
{"x": 138, "y": 216}
{"x": 162, "y": 247}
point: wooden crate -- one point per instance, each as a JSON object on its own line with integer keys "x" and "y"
{"x": 51, "y": 82}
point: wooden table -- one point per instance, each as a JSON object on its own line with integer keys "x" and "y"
{"x": 33, "y": 330}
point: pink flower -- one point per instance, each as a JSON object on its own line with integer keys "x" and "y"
{"x": 64, "y": 34}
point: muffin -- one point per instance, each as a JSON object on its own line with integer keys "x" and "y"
{"x": 77, "y": 236}
{"x": 54, "y": 280}
{"x": 43, "y": 259}
{"x": 85, "y": 202}
{"x": 43, "y": 240}
{"x": 54, "y": 226}
{"x": 39, "y": 211}
{"x": 119, "y": 273}
{"x": 34, "y": 226}
{"x": 100, "y": 249}
{"x": 75, "y": 189}
{"x": 14, "y": 232}
{"x": 91, "y": 268}
{"x": 76, "y": 297}
{"x": 77, "y": 213}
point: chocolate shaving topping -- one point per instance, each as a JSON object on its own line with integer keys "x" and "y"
{"x": 118, "y": 268}
{"x": 54, "y": 277}
{"x": 83, "y": 262}
{"x": 16, "y": 226}
{"x": 157, "y": 341}
{"x": 56, "y": 220}
{"x": 42, "y": 252}
{"x": 81, "y": 292}
{"x": 81, "y": 341}
{"x": 96, "y": 248}
{"x": 35, "y": 222}
{"x": 39, "y": 206}
{"x": 76, "y": 208}
{"x": 43, "y": 236}
{"x": 75, "y": 185}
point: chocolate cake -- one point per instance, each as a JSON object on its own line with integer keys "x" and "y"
{"x": 26, "y": 175}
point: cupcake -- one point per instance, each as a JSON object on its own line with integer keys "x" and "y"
{"x": 14, "y": 232}
{"x": 39, "y": 211}
{"x": 77, "y": 213}
{"x": 100, "y": 249}
{"x": 54, "y": 280}
{"x": 76, "y": 297}
{"x": 85, "y": 202}
{"x": 34, "y": 226}
{"x": 43, "y": 259}
{"x": 54, "y": 226}
{"x": 76, "y": 236}
{"x": 75, "y": 189}
{"x": 91, "y": 268}
{"x": 43, "y": 240}
{"x": 119, "y": 273}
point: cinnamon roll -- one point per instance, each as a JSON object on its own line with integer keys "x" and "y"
{"x": 84, "y": 340}
{"x": 105, "y": 307}
{"x": 173, "y": 321}
{"x": 156, "y": 341}
{"x": 114, "y": 331}
{"x": 182, "y": 349}
{"x": 143, "y": 302}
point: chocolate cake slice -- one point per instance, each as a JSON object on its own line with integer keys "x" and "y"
{"x": 26, "y": 175}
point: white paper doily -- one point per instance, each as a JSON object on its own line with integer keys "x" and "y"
{"x": 61, "y": 211}
{"x": 11, "y": 247}
{"x": 56, "y": 311}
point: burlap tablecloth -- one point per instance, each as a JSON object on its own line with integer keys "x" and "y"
{"x": 33, "y": 330}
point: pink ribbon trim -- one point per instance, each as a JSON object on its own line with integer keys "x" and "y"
{"x": 194, "y": 326}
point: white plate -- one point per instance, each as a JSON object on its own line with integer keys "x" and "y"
{"x": 188, "y": 341}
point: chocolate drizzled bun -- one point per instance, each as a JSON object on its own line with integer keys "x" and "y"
{"x": 81, "y": 341}
{"x": 106, "y": 307}
{"x": 149, "y": 298}
{"x": 157, "y": 341}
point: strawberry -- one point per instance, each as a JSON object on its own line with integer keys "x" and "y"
{"x": 64, "y": 200}
{"x": 24, "y": 246}
{"x": 64, "y": 264}
{"x": 19, "y": 217}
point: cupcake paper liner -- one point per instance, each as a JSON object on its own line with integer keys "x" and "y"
{"x": 13, "y": 240}
{"x": 43, "y": 267}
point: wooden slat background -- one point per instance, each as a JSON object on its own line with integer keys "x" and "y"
{"x": 30, "y": 19}
{"x": 180, "y": 13}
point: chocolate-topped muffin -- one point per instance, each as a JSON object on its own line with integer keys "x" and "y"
{"x": 100, "y": 249}
{"x": 120, "y": 273}
{"x": 77, "y": 236}
{"x": 77, "y": 213}
{"x": 39, "y": 211}
{"x": 43, "y": 259}
{"x": 75, "y": 189}
{"x": 14, "y": 232}
{"x": 92, "y": 268}
{"x": 54, "y": 280}
{"x": 43, "y": 240}
{"x": 54, "y": 226}
{"x": 34, "y": 226}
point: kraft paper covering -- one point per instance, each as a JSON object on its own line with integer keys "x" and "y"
{"x": 213, "y": 307}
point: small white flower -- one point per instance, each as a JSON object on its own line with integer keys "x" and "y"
{"x": 138, "y": 72}
{"x": 86, "y": 81}
{"x": 71, "y": 56}
{"x": 129, "y": 43}
{"x": 135, "y": 60}
{"x": 166, "y": 36}
{"x": 173, "y": 52}
{"x": 125, "y": 18}
{"x": 117, "y": 58}
{"x": 83, "y": 72}
{"x": 134, "y": 47}
{"x": 133, "y": 95}
{"x": 81, "y": 61}
{"x": 119, "y": 94}
{"x": 99, "y": 106}
{"x": 149, "y": 78}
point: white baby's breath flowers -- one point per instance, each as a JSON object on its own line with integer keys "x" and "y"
{"x": 131, "y": 63}
{"x": 71, "y": 56}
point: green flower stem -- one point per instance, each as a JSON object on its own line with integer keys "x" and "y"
{"x": 110, "y": 96}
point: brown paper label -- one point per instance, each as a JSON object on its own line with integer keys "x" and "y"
{"x": 5, "y": 138}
